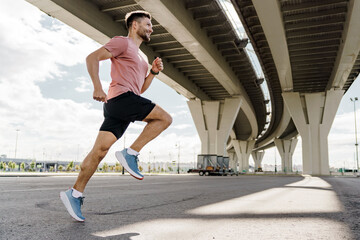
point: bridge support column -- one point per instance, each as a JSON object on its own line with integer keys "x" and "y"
{"x": 214, "y": 121}
{"x": 243, "y": 150}
{"x": 233, "y": 161}
{"x": 286, "y": 150}
{"x": 313, "y": 115}
{"x": 258, "y": 157}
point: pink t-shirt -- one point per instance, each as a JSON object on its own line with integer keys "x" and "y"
{"x": 128, "y": 68}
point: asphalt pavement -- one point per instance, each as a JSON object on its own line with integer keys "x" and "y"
{"x": 184, "y": 207}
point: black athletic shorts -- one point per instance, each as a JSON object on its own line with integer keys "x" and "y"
{"x": 123, "y": 109}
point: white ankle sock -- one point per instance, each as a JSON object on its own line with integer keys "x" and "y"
{"x": 132, "y": 152}
{"x": 76, "y": 193}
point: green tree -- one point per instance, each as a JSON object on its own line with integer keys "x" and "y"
{"x": 162, "y": 170}
{"x": 70, "y": 166}
{"x": 61, "y": 167}
{"x": 170, "y": 169}
{"x": 141, "y": 168}
{"x": 32, "y": 166}
{"x": 51, "y": 169}
{"x": 105, "y": 167}
{"x": 77, "y": 167}
{"x": 4, "y": 166}
{"x": 22, "y": 166}
{"x": 1, "y": 165}
{"x": 10, "y": 165}
{"x": 118, "y": 167}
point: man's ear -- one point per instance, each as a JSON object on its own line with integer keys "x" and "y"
{"x": 134, "y": 25}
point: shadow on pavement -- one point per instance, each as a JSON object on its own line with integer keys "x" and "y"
{"x": 348, "y": 192}
{"x": 192, "y": 207}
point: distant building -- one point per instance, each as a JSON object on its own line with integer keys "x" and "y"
{"x": 41, "y": 166}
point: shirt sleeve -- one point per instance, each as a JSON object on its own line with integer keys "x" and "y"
{"x": 116, "y": 46}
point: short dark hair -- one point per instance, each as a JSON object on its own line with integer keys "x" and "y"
{"x": 134, "y": 16}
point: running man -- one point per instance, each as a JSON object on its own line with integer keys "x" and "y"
{"x": 122, "y": 105}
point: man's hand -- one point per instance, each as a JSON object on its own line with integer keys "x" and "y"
{"x": 100, "y": 95}
{"x": 157, "y": 65}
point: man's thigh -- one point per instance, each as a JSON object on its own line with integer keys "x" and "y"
{"x": 128, "y": 107}
{"x": 157, "y": 113}
{"x": 104, "y": 141}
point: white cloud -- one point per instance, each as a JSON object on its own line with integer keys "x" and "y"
{"x": 137, "y": 125}
{"x": 34, "y": 53}
{"x": 342, "y": 140}
{"x": 183, "y": 106}
{"x": 31, "y": 53}
{"x": 56, "y": 128}
{"x": 85, "y": 84}
{"x": 180, "y": 113}
{"x": 181, "y": 126}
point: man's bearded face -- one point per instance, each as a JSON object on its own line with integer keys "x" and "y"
{"x": 145, "y": 29}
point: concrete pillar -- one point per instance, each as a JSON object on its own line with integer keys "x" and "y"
{"x": 236, "y": 163}
{"x": 286, "y": 150}
{"x": 214, "y": 121}
{"x": 258, "y": 157}
{"x": 233, "y": 161}
{"x": 243, "y": 150}
{"x": 313, "y": 115}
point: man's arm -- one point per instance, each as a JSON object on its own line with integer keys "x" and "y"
{"x": 157, "y": 66}
{"x": 92, "y": 63}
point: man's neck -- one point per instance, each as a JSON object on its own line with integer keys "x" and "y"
{"x": 137, "y": 40}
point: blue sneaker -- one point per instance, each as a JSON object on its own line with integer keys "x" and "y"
{"x": 72, "y": 204}
{"x": 130, "y": 163}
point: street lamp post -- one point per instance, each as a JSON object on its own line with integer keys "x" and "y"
{"x": 123, "y": 170}
{"x": 356, "y": 142}
{"x": 149, "y": 166}
{"x": 154, "y": 164}
{"x": 275, "y": 161}
{"x": 17, "y": 131}
{"x": 178, "y": 168}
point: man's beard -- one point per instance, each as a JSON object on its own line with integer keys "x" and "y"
{"x": 143, "y": 35}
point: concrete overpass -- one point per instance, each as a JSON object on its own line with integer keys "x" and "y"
{"x": 308, "y": 51}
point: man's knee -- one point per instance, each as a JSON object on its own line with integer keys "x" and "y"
{"x": 99, "y": 153}
{"x": 95, "y": 157}
{"x": 167, "y": 120}
{"x": 160, "y": 116}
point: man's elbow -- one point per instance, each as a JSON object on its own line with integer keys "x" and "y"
{"x": 99, "y": 55}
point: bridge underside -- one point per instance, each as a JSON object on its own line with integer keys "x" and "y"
{"x": 305, "y": 58}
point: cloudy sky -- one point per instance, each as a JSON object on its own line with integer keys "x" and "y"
{"x": 46, "y": 94}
